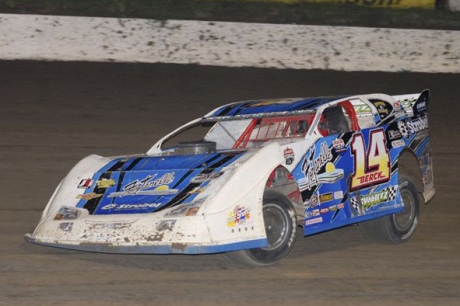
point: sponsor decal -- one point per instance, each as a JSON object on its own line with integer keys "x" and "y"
{"x": 412, "y": 126}
{"x": 139, "y": 187}
{"x": 402, "y": 127}
{"x": 372, "y": 164}
{"x": 382, "y": 108}
{"x": 418, "y": 124}
{"x": 324, "y": 210}
{"x": 86, "y": 183}
{"x": 67, "y": 213}
{"x": 315, "y": 212}
{"x": 325, "y": 197}
{"x": 340, "y": 206}
{"x": 338, "y": 195}
{"x": 289, "y": 156}
{"x": 394, "y": 134}
{"x": 314, "y": 221}
{"x": 238, "y": 216}
{"x": 398, "y": 143}
{"x": 202, "y": 177}
{"x": 130, "y": 206}
{"x": 105, "y": 183}
{"x": 333, "y": 208}
{"x": 312, "y": 202}
{"x": 421, "y": 106}
{"x": 370, "y": 178}
{"x": 89, "y": 196}
{"x": 338, "y": 144}
{"x": 258, "y": 115}
{"x": 375, "y": 198}
{"x": 331, "y": 175}
{"x": 311, "y": 168}
{"x": 407, "y": 102}
{"x": 362, "y": 109}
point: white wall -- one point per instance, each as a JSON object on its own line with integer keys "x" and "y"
{"x": 454, "y": 5}
{"x": 228, "y": 44}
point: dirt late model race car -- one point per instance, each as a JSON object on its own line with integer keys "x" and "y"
{"x": 257, "y": 171}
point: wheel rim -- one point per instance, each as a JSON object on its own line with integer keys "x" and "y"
{"x": 403, "y": 220}
{"x": 276, "y": 226}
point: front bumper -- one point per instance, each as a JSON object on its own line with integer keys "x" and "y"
{"x": 173, "y": 248}
{"x": 139, "y": 234}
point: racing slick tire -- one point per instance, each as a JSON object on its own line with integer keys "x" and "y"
{"x": 280, "y": 227}
{"x": 396, "y": 228}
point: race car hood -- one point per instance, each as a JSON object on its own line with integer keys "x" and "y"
{"x": 145, "y": 184}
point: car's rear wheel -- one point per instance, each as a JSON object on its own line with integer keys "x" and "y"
{"x": 279, "y": 220}
{"x": 396, "y": 228}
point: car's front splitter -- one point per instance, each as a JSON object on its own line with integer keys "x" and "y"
{"x": 173, "y": 248}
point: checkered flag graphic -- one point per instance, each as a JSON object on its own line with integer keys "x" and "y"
{"x": 356, "y": 205}
{"x": 392, "y": 190}
{"x": 402, "y": 127}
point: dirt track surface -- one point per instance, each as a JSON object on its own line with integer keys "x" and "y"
{"x": 54, "y": 114}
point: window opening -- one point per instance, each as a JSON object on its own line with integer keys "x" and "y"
{"x": 265, "y": 129}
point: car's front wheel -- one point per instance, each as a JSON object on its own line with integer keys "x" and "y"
{"x": 280, "y": 227}
{"x": 396, "y": 228}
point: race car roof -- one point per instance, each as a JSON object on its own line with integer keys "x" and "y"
{"x": 267, "y": 107}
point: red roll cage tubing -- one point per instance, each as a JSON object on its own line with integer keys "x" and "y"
{"x": 351, "y": 113}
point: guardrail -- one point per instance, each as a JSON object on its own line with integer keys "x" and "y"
{"x": 34, "y": 37}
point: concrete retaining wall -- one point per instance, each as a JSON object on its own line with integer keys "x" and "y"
{"x": 228, "y": 44}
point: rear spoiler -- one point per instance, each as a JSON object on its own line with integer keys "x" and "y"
{"x": 421, "y": 105}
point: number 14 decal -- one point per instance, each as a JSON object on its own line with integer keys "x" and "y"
{"x": 373, "y": 166}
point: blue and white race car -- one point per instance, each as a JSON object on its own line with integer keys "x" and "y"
{"x": 243, "y": 177}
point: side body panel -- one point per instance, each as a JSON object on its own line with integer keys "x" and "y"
{"x": 349, "y": 178}
{"x": 353, "y": 177}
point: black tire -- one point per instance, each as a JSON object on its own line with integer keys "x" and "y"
{"x": 396, "y": 228}
{"x": 280, "y": 226}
